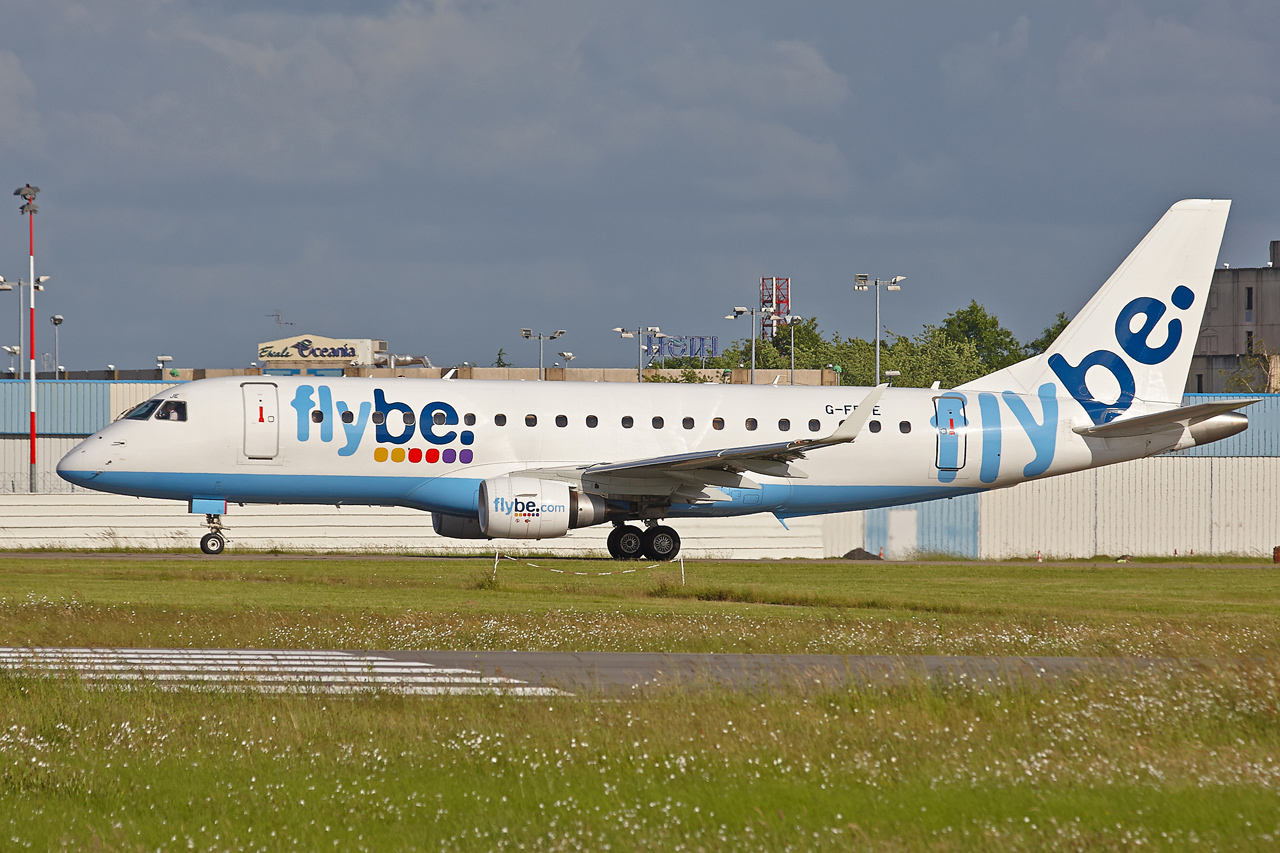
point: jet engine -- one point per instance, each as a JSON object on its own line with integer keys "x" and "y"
{"x": 529, "y": 508}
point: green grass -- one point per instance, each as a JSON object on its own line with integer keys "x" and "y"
{"x": 1163, "y": 759}
{"x": 386, "y": 602}
{"x": 1168, "y": 758}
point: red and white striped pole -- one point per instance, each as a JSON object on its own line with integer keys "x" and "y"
{"x": 29, "y": 209}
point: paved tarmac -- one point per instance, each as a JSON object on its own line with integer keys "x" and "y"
{"x": 537, "y": 673}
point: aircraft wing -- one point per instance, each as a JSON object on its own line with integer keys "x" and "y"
{"x": 694, "y": 473}
{"x": 1147, "y": 424}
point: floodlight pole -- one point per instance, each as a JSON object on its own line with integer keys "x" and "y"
{"x": 640, "y": 347}
{"x": 528, "y": 334}
{"x": 860, "y": 282}
{"x": 738, "y": 312}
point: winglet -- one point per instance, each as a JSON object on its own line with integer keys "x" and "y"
{"x": 853, "y": 424}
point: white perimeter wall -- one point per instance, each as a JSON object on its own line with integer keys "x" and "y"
{"x": 1151, "y": 507}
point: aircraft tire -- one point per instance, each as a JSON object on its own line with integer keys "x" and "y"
{"x": 612, "y": 543}
{"x": 628, "y": 541}
{"x": 212, "y": 543}
{"x": 661, "y": 543}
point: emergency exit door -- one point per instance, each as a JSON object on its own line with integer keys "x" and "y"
{"x": 952, "y": 435}
{"x": 261, "y": 420}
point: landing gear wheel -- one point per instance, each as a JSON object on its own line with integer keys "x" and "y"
{"x": 212, "y": 543}
{"x": 660, "y": 543}
{"x": 625, "y": 543}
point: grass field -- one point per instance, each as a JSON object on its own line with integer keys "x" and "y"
{"x": 1178, "y": 757}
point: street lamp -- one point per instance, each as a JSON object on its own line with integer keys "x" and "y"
{"x": 162, "y": 360}
{"x": 653, "y": 332}
{"x": 529, "y": 335}
{"x": 56, "y": 320}
{"x": 860, "y": 282}
{"x": 568, "y": 357}
{"x": 13, "y": 352}
{"x": 739, "y": 311}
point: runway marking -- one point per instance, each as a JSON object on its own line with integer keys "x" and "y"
{"x": 283, "y": 671}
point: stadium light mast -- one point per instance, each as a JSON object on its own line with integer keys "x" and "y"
{"x": 653, "y": 331}
{"x": 529, "y": 335}
{"x": 29, "y": 210}
{"x": 739, "y": 311}
{"x": 860, "y": 282}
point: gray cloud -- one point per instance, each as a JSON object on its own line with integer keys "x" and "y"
{"x": 440, "y": 174}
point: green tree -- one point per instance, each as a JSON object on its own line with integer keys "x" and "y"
{"x": 501, "y": 360}
{"x": 996, "y": 346}
{"x": 1050, "y": 334}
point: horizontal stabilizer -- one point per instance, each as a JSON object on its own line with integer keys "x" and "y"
{"x": 1147, "y": 424}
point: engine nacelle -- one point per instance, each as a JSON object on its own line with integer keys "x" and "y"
{"x": 457, "y": 527}
{"x": 529, "y": 508}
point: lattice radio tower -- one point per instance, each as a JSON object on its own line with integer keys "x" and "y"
{"x": 775, "y": 303}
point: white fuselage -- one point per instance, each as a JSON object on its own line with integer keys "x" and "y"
{"x": 284, "y": 440}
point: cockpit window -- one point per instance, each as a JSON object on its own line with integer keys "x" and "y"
{"x": 143, "y": 410}
{"x": 172, "y": 410}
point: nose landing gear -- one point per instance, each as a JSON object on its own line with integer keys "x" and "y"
{"x": 213, "y": 542}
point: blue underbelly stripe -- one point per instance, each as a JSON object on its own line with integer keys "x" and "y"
{"x": 457, "y": 495}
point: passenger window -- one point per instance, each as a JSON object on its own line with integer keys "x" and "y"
{"x": 627, "y": 422}
{"x": 173, "y": 410}
{"x": 784, "y": 424}
{"x": 874, "y": 426}
{"x": 142, "y": 411}
{"x": 717, "y": 423}
{"x": 751, "y": 423}
{"x": 379, "y": 418}
{"x": 407, "y": 418}
{"x": 317, "y": 416}
{"x": 469, "y": 419}
{"x": 562, "y": 421}
{"x": 499, "y": 420}
{"x": 592, "y": 421}
{"x": 348, "y": 417}
{"x": 904, "y": 427}
{"x": 815, "y": 425}
{"x": 657, "y": 423}
{"x": 438, "y": 418}
{"x": 688, "y": 423}
{"x": 530, "y": 420}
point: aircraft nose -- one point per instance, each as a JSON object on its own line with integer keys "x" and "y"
{"x": 85, "y": 462}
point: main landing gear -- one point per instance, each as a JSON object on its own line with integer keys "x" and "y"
{"x": 213, "y": 542}
{"x": 656, "y": 542}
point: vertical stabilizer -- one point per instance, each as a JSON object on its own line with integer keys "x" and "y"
{"x": 1134, "y": 339}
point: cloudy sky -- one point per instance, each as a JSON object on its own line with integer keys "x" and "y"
{"x": 442, "y": 174}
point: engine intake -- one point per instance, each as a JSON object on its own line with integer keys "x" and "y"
{"x": 530, "y": 508}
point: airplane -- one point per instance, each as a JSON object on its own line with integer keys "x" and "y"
{"x": 533, "y": 460}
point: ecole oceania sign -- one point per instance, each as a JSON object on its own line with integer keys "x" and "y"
{"x": 310, "y": 348}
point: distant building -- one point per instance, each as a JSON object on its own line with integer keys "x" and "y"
{"x": 320, "y": 356}
{"x": 1239, "y": 345}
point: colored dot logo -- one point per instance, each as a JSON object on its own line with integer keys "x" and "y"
{"x": 449, "y": 456}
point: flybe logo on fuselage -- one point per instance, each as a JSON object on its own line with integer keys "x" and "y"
{"x": 1135, "y": 343}
{"x": 317, "y": 412}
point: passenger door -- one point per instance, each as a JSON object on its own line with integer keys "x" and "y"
{"x": 950, "y": 423}
{"x": 261, "y": 420}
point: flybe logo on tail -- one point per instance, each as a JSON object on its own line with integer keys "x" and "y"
{"x": 317, "y": 409}
{"x": 1136, "y": 343}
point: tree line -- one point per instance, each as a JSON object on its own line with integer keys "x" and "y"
{"x": 967, "y": 344}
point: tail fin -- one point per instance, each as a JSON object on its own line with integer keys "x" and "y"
{"x": 1135, "y": 337}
